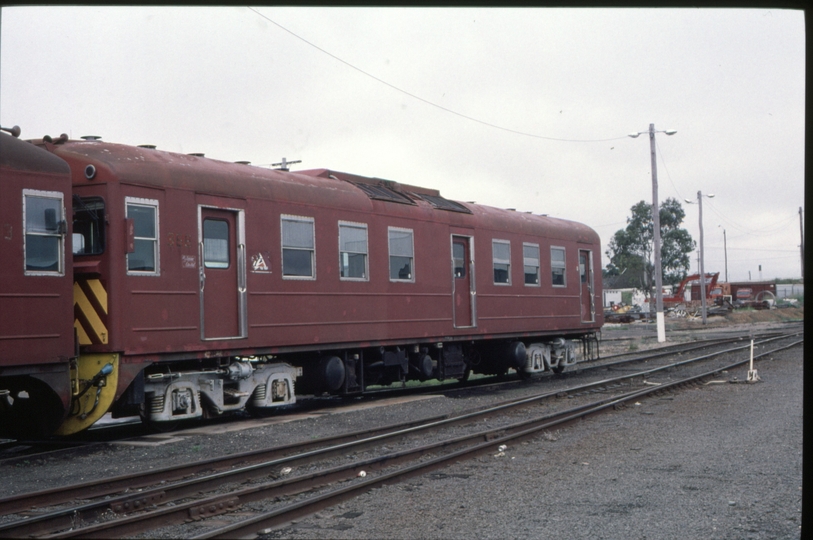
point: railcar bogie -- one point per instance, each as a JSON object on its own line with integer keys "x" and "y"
{"x": 172, "y": 393}
{"x": 553, "y": 355}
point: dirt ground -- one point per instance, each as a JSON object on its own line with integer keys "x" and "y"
{"x": 766, "y": 315}
{"x": 626, "y": 337}
{"x": 737, "y": 317}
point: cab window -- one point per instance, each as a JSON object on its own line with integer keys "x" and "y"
{"x": 88, "y": 225}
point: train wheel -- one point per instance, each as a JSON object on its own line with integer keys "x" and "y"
{"x": 35, "y": 413}
{"x": 558, "y": 369}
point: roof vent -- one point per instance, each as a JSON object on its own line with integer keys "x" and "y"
{"x": 444, "y": 204}
{"x": 59, "y": 140}
{"x": 150, "y": 146}
{"x": 15, "y": 131}
{"x": 383, "y": 193}
{"x": 197, "y": 154}
{"x": 91, "y": 138}
{"x": 243, "y": 162}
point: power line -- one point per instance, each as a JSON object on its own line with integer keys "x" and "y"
{"x": 777, "y": 226}
{"x": 413, "y": 96}
{"x": 752, "y": 249}
{"x": 663, "y": 162}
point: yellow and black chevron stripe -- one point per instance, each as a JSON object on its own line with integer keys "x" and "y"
{"x": 90, "y": 312}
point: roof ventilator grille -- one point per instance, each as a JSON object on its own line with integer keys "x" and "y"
{"x": 383, "y": 193}
{"x": 444, "y": 204}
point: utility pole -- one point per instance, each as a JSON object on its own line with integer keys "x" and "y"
{"x": 656, "y": 230}
{"x": 656, "y": 241}
{"x": 702, "y": 268}
{"x": 802, "y": 245}
{"x": 725, "y": 252}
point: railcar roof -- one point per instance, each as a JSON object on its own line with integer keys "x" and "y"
{"x": 24, "y": 156}
{"x": 323, "y": 187}
{"x": 157, "y": 168}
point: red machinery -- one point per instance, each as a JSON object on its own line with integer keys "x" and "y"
{"x": 678, "y": 297}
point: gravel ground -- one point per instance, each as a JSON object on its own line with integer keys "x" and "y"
{"x": 664, "y": 469}
{"x": 718, "y": 461}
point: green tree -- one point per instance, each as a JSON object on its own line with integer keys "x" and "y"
{"x": 630, "y": 249}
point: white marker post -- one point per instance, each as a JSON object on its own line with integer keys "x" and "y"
{"x": 752, "y": 373}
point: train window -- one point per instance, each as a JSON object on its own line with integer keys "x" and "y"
{"x": 530, "y": 254}
{"x": 459, "y": 259}
{"x": 353, "y": 251}
{"x": 583, "y": 267}
{"x": 298, "y": 252}
{"x": 501, "y": 252}
{"x": 45, "y": 229}
{"x": 88, "y": 225}
{"x": 144, "y": 258}
{"x": 215, "y": 243}
{"x": 557, "y": 266}
{"x": 401, "y": 254}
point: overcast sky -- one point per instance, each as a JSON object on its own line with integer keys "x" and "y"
{"x": 514, "y": 108}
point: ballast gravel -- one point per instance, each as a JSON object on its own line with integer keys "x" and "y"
{"x": 720, "y": 461}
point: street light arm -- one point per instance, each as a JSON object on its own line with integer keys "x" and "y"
{"x": 667, "y": 131}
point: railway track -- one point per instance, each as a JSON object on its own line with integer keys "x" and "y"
{"x": 20, "y": 452}
{"x": 386, "y": 456}
{"x": 15, "y": 452}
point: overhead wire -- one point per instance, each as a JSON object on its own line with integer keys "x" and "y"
{"x": 777, "y": 226}
{"x": 423, "y": 100}
{"x": 730, "y": 222}
{"x": 669, "y": 176}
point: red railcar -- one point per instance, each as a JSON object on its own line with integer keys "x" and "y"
{"x": 204, "y": 286}
{"x": 36, "y": 289}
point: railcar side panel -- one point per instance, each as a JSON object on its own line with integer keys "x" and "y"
{"x": 36, "y": 300}
{"x": 222, "y": 280}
